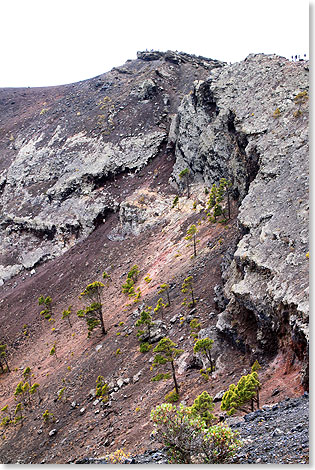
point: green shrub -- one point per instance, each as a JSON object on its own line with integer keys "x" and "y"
{"x": 188, "y": 440}
{"x": 145, "y": 347}
{"x": 171, "y": 397}
{"x": 202, "y": 407}
{"x": 102, "y": 388}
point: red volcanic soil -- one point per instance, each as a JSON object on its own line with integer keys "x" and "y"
{"x": 87, "y": 429}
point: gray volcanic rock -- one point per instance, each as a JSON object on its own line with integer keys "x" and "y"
{"x": 63, "y": 148}
{"x": 228, "y": 127}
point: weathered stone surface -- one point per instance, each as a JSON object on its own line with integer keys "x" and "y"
{"x": 67, "y": 210}
{"x": 227, "y": 128}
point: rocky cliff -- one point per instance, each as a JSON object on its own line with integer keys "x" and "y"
{"x": 249, "y": 122}
{"x": 88, "y": 174}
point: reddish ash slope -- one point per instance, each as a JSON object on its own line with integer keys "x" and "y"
{"x": 125, "y": 423}
{"x": 83, "y": 427}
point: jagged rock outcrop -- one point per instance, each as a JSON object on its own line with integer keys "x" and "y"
{"x": 64, "y": 148}
{"x": 249, "y": 122}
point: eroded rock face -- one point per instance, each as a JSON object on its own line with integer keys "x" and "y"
{"x": 247, "y": 123}
{"x": 62, "y": 149}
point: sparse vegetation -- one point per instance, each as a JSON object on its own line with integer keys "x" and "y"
{"x": 187, "y": 286}
{"x": 165, "y": 353}
{"x": 66, "y": 315}
{"x": 185, "y": 174}
{"x": 165, "y": 288}
{"x": 191, "y": 234}
{"x": 47, "y": 301}
{"x": 3, "y": 358}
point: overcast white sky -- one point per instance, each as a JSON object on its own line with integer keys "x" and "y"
{"x": 52, "y": 42}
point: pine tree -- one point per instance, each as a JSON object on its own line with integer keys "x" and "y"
{"x": 246, "y": 392}
{"x": 66, "y": 315}
{"x": 102, "y": 388}
{"x": 187, "y": 286}
{"x": 160, "y": 305}
{"x": 175, "y": 202}
{"x": 202, "y": 406}
{"x": 203, "y": 347}
{"x": 224, "y": 187}
{"x": 191, "y": 234}
{"x": 145, "y": 321}
{"x": 18, "y": 413}
{"x": 3, "y": 358}
{"x": 46, "y": 301}
{"x": 165, "y": 353}
{"x": 93, "y": 313}
{"x": 132, "y": 277}
{"x": 194, "y": 328}
{"x": 165, "y": 288}
{"x": 27, "y": 374}
{"x": 186, "y": 174}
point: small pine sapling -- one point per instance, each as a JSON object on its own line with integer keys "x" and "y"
{"x": 175, "y": 202}
{"x": 194, "y": 328}
{"x": 35, "y": 389}
{"x": 61, "y": 394}
{"x": 203, "y": 347}
{"x": 191, "y": 234}
{"x": 46, "y": 301}
{"x": 27, "y": 374}
{"x": 185, "y": 174}
{"x": 160, "y": 305}
{"x": 165, "y": 353}
{"x": 52, "y": 352}
{"x": 165, "y": 288}
{"x": 3, "y": 358}
{"x": 22, "y": 389}
{"x": 107, "y": 277}
{"x": 18, "y": 414}
{"x": 48, "y": 417}
{"x": 147, "y": 279}
{"x": 145, "y": 321}
{"x": 187, "y": 286}
{"x": 93, "y": 313}
{"x": 102, "y": 389}
{"x": 66, "y": 315}
{"x": 300, "y": 99}
{"x": 7, "y": 418}
{"x": 202, "y": 407}
{"x": 132, "y": 277}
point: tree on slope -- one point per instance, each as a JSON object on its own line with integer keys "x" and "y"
{"x": 185, "y": 174}
{"x": 242, "y": 395}
{"x": 191, "y": 234}
{"x": 203, "y": 347}
{"x": 3, "y": 358}
{"x": 93, "y": 313}
{"x": 165, "y": 353}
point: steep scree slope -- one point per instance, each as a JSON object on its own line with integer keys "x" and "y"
{"x": 88, "y": 175}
